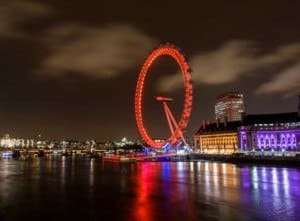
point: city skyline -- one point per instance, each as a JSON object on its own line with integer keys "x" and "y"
{"x": 69, "y": 70}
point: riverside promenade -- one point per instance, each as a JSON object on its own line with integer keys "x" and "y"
{"x": 249, "y": 159}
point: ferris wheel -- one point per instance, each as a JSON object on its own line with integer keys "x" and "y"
{"x": 176, "y": 128}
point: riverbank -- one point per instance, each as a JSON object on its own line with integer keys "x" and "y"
{"x": 248, "y": 159}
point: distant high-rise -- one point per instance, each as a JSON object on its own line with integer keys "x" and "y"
{"x": 230, "y": 107}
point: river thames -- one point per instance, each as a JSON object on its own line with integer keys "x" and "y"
{"x": 69, "y": 188}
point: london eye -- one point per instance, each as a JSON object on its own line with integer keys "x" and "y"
{"x": 176, "y": 127}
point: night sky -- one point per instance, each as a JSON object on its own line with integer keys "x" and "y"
{"x": 69, "y": 68}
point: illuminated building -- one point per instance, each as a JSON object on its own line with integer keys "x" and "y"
{"x": 124, "y": 141}
{"x": 217, "y": 138}
{"x": 261, "y": 132}
{"x": 230, "y": 106}
{"x": 277, "y": 132}
{"x": 7, "y": 142}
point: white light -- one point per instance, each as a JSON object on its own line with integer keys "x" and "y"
{"x": 180, "y": 152}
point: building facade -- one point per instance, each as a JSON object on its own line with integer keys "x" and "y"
{"x": 217, "y": 138}
{"x": 278, "y": 132}
{"x": 267, "y": 132}
{"x": 230, "y": 106}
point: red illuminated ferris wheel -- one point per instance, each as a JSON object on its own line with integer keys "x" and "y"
{"x": 176, "y": 128}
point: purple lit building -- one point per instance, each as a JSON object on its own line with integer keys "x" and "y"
{"x": 270, "y": 132}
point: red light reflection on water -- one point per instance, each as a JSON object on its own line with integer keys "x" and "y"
{"x": 159, "y": 188}
{"x": 143, "y": 206}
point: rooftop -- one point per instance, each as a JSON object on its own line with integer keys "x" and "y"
{"x": 232, "y": 94}
{"x": 219, "y": 127}
{"x": 249, "y": 120}
{"x": 271, "y": 118}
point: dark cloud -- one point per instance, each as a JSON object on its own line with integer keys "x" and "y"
{"x": 236, "y": 59}
{"x": 286, "y": 82}
{"x": 100, "y": 52}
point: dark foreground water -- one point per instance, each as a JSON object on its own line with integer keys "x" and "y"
{"x": 84, "y": 189}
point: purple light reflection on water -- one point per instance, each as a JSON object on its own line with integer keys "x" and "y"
{"x": 273, "y": 192}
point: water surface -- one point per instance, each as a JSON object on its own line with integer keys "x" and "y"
{"x": 88, "y": 189}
